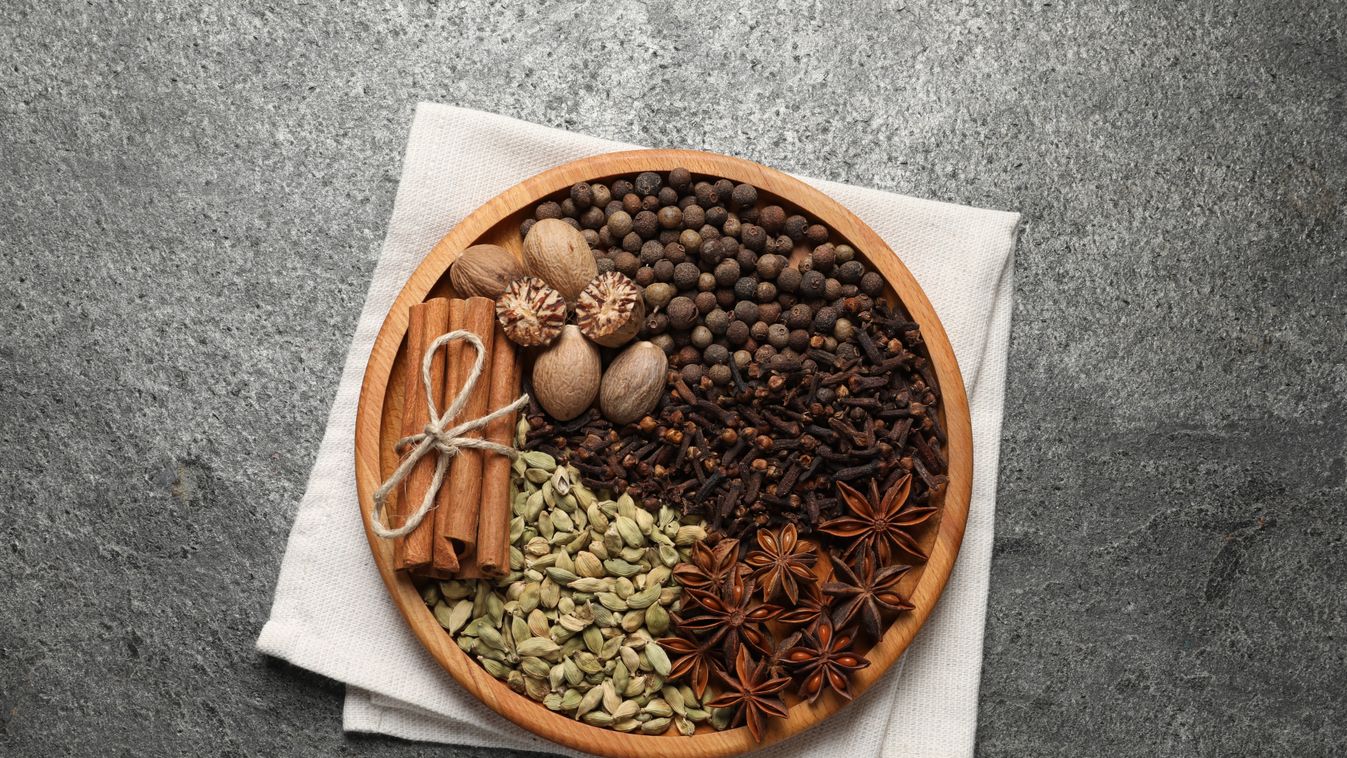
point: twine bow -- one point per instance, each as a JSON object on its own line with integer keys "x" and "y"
{"x": 435, "y": 437}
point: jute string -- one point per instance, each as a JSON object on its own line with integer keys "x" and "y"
{"x": 435, "y": 437}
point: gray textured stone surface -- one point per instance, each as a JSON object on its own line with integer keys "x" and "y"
{"x": 192, "y": 202}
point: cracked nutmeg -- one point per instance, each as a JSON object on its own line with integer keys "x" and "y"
{"x": 610, "y": 310}
{"x": 530, "y": 312}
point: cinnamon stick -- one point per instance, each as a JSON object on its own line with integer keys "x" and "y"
{"x": 460, "y": 498}
{"x": 425, "y": 322}
{"x": 493, "y": 524}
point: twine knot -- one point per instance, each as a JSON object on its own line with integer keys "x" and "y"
{"x": 446, "y": 442}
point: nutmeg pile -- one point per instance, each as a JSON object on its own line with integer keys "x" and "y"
{"x": 757, "y": 379}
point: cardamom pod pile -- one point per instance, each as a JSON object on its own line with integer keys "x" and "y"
{"x": 573, "y": 625}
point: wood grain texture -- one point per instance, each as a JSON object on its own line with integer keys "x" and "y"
{"x": 497, "y": 222}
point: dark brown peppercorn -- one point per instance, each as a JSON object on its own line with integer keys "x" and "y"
{"x": 832, "y": 289}
{"x": 783, "y": 245}
{"x": 724, "y": 188}
{"x": 619, "y": 224}
{"x": 770, "y": 266}
{"x": 872, "y": 284}
{"x": 663, "y": 270}
{"x": 622, "y": 188}
{"x": 686, "y": 200}
{"x": 651, "y": 251}
{"x": 795, "y": 226}
{"x": 746, "y": 288}
{"x": 605, "y": 239}
{"x": 705, "y": 302}
{"x": 592, "y": 218}
{"x": 727, "y": 273}
{"x": 731, "y": 227}
{"x": 670, "y": 217}
{"x": 825, "y": 319}
{"x": 811, "y": 284}
{"x": 680, "y": 179}
{"x": 632, "y": 242}
{"x": 715, "y": 354}
{"x": 720, "y": 374}
{"x": 650, "y": 203}
{"x": 736, "y": 333}
{"x": 759, "y": 330}
{"x": 716, "y": 215}
{"x": 682, "y": 313}
{"x": 601, "y": 195}
{"x": 717, "y": 320}
{"x": 746, "y": 311}
{"x": 645, "y": 224}
{"x": 708, "y": 233}
{"x": 850, "y": 272}
{"x": 613, "y": 206}
{"x": 789, "y": 278}
{"x": 568, "y": 208}
{"x": 706, "y": 282}
{"x": 626, "y": 263}
{"x": 645, "y": 276}
{"x": 766, "y": 292}
{"x": 816, "y": 233}
{"x": 582, "y": 195}
{"x": 754, "y": 237}
{"x": 845, "y": 253}
{"x": 772, "y": 218}
{"x": 604, "y": 264}
{"x": 648, "y": 183}
{"x": 726, "y": 299}
{"x": 711, "y": 253}
{"x": 691, "y": 373}
{"x": 800, "y": 316}
{"x": 591, "y": 236}
{"x": 572, "y": 223}
{"x": 686, "y": 275}
{"x": 667, "y": 235}
{"x": 764, "y": 354}
{"x": 631, "y": 203}
{"x": 657, "y": 323}
{"x": 675, "y": 253}
{"x": 743, "y": 195}
{"x": 799, "y": 340}
{"x": 748, "y": 260}
{"x": 823, "y": 258}
{"x": 667, "y": 196}
{"x": 548, "y": 209}
{"x": 687, "y": 355}
{"x": 770, "y": 312}
{"x": 690, "y": 240}
{"x": 694, "y": 217}
{"x": 663, "y": 342}
{"x": 706, "y": 194}
{"x": 778, "y": 336}
{"x": 848, "y": 352}
{"x": 526, "y": 226}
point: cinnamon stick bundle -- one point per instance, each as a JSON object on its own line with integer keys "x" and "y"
{"x": 493, "y": 524}
{"x": 425, "y": 323}
{"x": 459, "y": 500}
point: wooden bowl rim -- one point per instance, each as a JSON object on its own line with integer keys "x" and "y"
{"x": 845, "y": 225}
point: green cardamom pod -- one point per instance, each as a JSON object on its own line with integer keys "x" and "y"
{"x": 674, "y": 698}
{"x": 539, "y": 460}
{"x": 537, "y": 646}
{"x": 495, "y": 668}
{"x": 645, "y": 520}
{"x": 619, "y": 567}
{"x": 630, "y": 533}
{"x": 655, "y": 726}
{"x": 657, "y": 619}
{"x": 658, "y": 659}
{"x": 684, "y": 727}
{"x": 669, "y": 556}
{"x": 553, "y": 701}
{"x": 644, "y": 599}
{"x": 597, "y": 718}
{"x": 626, "y": 507}
{"x": 571, "y": 700}
{"x": 593, "y": 639}
{"x": 621, "y": 677}
{"x": 562, "y": 521}
{"x": 534, "y": 666}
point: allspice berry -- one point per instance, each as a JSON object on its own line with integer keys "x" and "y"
{"x": 845, "y": 253}
{"x": 754, "y": 237}
{"x": 706, "y": 282}
{"x": 659, "y": 294}
{"x": 743, "y": 195}
{"x": 648, "y": 183}
{"x": 717, "y": 321}
{"x": 872, "y": 284}
{"x": 816, "y": 233}
{"x": 715, "y": 354}
{"x": 843, "y": 330}
{"x": 645, "y": 224}
{"x": 795, "y": 226}
{"x": 680, "y": 179}
{"x": 705, "y": 302}
{"x": 736, "y": 333}
{"x": 850, "y": 272}
{"x": 619, "y": 224}
{"x": 582, "y": 195}
{"x": 720, "y": 374}
{"x": 825, "y": 319}
{"x": 770, "y": 312}
{"x": 746, "y": 311}
{"x": 694, "y": 217}
{"x": 667, "y": 196}
{"x": 778, "y": 336}
{"x": 772, "y": 218}
{"x": 746, "y": 288}
{"x": 670, "y": 217}
{"x": 811, "y": 284}
{"x": 626, "y": 263}
{"x": 682, "y": 313}
{"x": 727, "y": 273}
{"x": 800, "y": 316}
{"x": 548, "y": 209}
{"x": 686, "y": 275}
{"x": 789, "y": 278}
{"x": 690, "y": 240}
{"x": 823, "y": 258}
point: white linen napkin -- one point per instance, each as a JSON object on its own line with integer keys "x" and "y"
{"x": 332, "y": 614}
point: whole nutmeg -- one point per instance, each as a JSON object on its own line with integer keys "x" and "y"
{"x": 610, "y": 310}
{"x": 633, "y": 383}
{"x": 558, "y": 254}
{"x": 566, "y": 375}
{"x": 530, "y": 312}
{"x": 484, "y": 271}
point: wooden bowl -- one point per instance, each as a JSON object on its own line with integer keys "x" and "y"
{"x": 378, "y": 427}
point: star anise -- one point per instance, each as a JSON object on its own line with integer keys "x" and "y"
{"x": 776, "y": 662}
{"x": 782, "y": 562}
{"x": 865, "y": 594}
{"x": 710, "y": 567}
{"x": 752, "y": 692}
{"x": 695, "y": 661}
{"x": 812, "y": 607}
{"x": 729, "y": 616}
{"x": 825, "y": 660}
{"x": 882, "y": 527}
